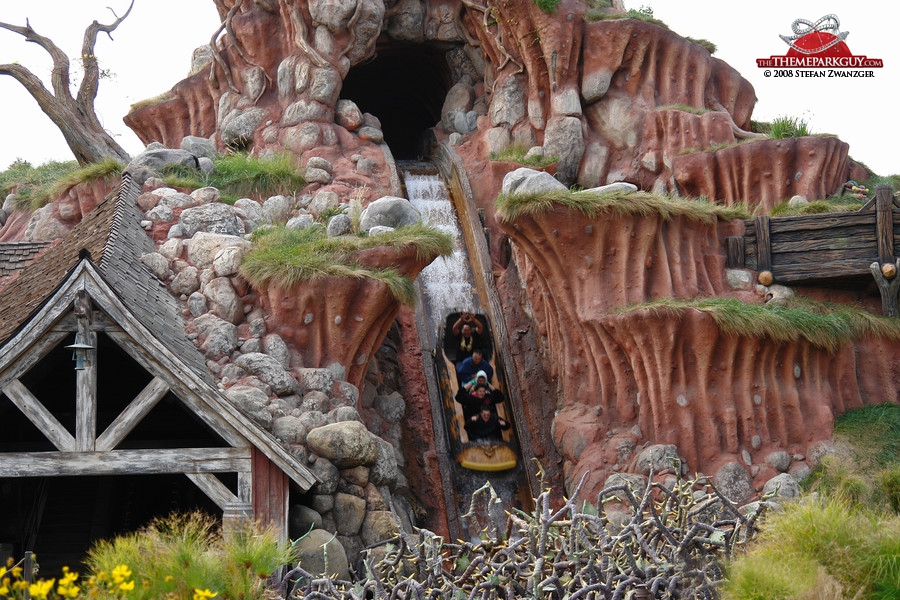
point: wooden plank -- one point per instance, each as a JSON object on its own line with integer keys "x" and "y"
{"x": 38, "y": 414}
{"x": 885, "y": 222}
{"x": 820, "y": 222}
{"x": 763, "y": 245}
{"x": 796, "y": 273}
{"x": 215, "y": 490}
{"x": 123, "y": 424}
{"x": 734, "y": 252}
{"x": 847, "y": 241}
{"x": 824, "y": 258}
{"x": 99, "y": 322}
{"x": 86, "y": 397}
{"x": 146, "y": 461}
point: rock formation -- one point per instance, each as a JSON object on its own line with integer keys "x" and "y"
{"x": 614, "y": 101}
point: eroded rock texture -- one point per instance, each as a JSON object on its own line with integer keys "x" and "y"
{"x": 654, "y": 375}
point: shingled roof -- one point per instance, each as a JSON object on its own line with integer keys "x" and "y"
{"x": 112, "y": 238}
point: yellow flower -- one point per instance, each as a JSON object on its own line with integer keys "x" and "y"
{"x": 40, "y": 589}
{"x": 170, "y": 578}
{"x": 4, "y": 586}
{"x": 121, "y": 573}
{"x": 204, "y": 594}
{"x": 127, "y": 586}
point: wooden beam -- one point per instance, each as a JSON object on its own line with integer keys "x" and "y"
{"x": 132, "y": 415}
{"x": 38, "y": 414}
{"x": 217, "y": 491}
{"x": 86, "y": 396}
{"x": 763, "y": 245}
{"x": 734, "y": 252}
{"x": 147, "y": 461}
{"x": 884, "y": 224}
{"x": 39, "y": 349}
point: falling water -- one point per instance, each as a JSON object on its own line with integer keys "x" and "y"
{"x": 446, "y": 281}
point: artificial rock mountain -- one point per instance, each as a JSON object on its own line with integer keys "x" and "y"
{"x": 609, "y": 98}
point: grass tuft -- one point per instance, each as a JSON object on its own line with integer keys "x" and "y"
{"x": 33, "y": 186}
{"x": 824, "y": 325}
{"x": 291, "y": 256}
{"x": 817, "y": 207}
{"x": 516, "y": 153}
{"x": 514, "y": 206}
{"x": 241, "y": 175}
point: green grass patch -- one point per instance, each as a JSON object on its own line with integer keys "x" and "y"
{"x": 516, "y": 153}
{"x": 176, "y": 556}
{"x": 547, "y": 6}
{"x": 817, "y": 207}
{"x": 514, "y": 206}
{"x": 291, "y": 256}
{"x": 708, "y": 45}
{"x": 644, "y": 13}
{"x": 33, "y": 186}
{"x": 241, "y": 175}
{"x": 782, "y": 127}
{"x": 818, "y": 545}
{"x": 824, "y": 325}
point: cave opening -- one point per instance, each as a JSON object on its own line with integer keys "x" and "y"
{"x": 405, "y": 87}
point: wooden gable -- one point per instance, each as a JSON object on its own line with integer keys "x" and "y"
{"x": 121, "y": 300}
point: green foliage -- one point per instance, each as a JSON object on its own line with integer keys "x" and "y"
{"x": 816, "y": 545}
{"x": 290, "y": 256}
{"x": 596, "y": 9}
{"x": 514, "y": 206}
{"x": 241, "y": 175}
{"x": 708, "y": 45}
{"x": 817, "y": 207}
{"x": 517, "y": 153}
{"x": 824, "y": 325}
{"x": 33, "y": 186}
{"x": 788, "y": 127}
{"x": 547, "y": 6}
{"x": 644, "y": 13}
{"x": 181, "y": 556}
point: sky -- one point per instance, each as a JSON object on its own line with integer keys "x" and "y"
{"x": 151, "y": 51}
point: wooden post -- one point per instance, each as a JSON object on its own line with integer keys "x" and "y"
{"x": 763, "y": 243}
{"x": 884, "y": 229}
{"x": 734, "y": 252}
{"x": 889, "y": 289}
{"x": 86, "y": 397}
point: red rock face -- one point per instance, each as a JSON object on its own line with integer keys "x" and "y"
{"x": 338, "y": 319}
{"x": 652, "y": 375}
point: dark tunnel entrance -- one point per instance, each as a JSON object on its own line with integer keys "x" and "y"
{"x": 405, "y": 88}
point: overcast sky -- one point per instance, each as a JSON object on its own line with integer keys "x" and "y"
{"x": 151, "y": 52}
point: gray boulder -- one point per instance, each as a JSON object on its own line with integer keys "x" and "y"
{"x": 156, "y": 159}
{"x": 211, "y": 218}
{"x": 223, "y": 300}
{"x": 389, "y": 211}
{"x": 733, "y": 480}
{"x": 269, "y": 371}
{"x": 311, "y": 550}
{"x": 346, "y": 444}
{"x": 217, "y": 337}
{"x": 529, "y": 181}
{"x": 786, "y": 486}
{"x": 199, "y": 146}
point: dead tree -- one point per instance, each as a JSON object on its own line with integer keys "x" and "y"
{"x": 74, "y": 116}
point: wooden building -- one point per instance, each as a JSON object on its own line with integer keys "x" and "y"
{"x": 109, "y": 414}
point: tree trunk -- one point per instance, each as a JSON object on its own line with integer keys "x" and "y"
{"x": 75, "y": 118}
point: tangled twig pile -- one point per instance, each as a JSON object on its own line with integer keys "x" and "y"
{"x": 670, "y": 547}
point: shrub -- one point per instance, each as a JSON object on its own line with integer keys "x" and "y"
{"x": 33, "y": 186}
{"x": 547, "y": 6}
{"x": 788, "y": 127}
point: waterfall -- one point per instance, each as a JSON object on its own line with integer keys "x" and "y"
{"x": 446, "y": 282}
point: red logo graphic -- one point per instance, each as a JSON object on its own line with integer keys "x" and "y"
{"x": 817, "y": 45}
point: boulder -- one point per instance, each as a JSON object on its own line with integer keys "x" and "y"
{"x": 346, "y": 444}
{"x": 349, "y": 512}
{"x": 217, "y": 337}
{"x": 389, "y": 211}
{"x": 733, "y": 480}
{"x": 529, "y": 181}
{"x": 269, "y": 371}
{"x": 211, "y": 218}
{"x": 310, "y": 551}
{"x": 223, "y": 300}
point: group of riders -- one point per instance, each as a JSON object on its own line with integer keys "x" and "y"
{"x": 477, "y": 394}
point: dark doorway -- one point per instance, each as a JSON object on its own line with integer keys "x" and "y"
{"x": 405, "y": 88}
